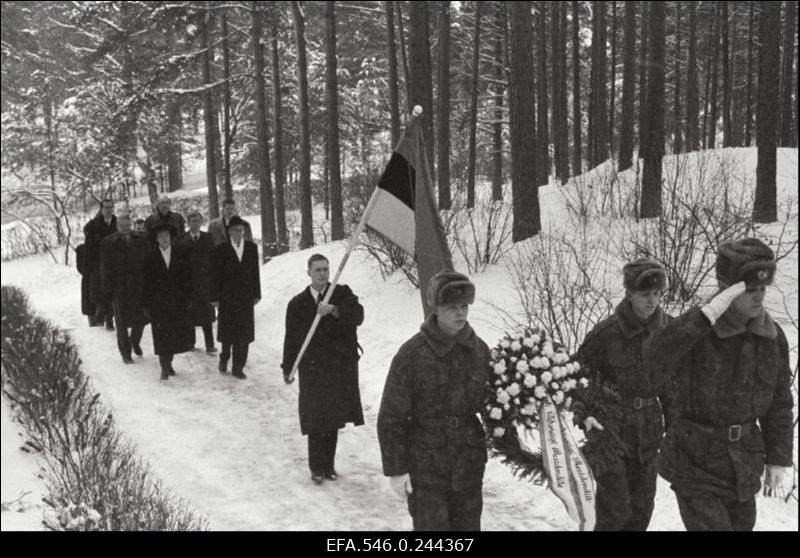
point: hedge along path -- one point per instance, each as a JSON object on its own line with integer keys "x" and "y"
{"x": 94, "y": 479}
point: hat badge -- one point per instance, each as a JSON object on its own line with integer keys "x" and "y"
{"x": 763, "y": 274}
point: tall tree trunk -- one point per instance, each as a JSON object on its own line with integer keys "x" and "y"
{"x": 555, "y": 90}
{"x": 542, "y": 145}
{"x": 174, "y": 163}
{"x": 628, "y": 88}
{"x": 765, "y": 207}
{"x": 713, "y": 111}
{"x": 677, "y": 138}
{"x": 226, "y": 108}
{"x": 600, "y": 92}
{"x": 473, "y": 109}
{"x": 748, "y": 119}
{"x": 643, "y": 56}
{"x": 443, "y": 114}
{"x": 497, "y": 125}
{"x": 51, "y": 163}
{"x": 277, "y": 130}
{"x": 420, "y": 67}
{"x": 788, "y": 106}
{"x": 651, "y": 178}
{"x": 394, "y": 93}
{"x": 403, "y": 53}
{"x": 306, "y": 203}
{"x": 727, "y": 128}
{"x": 564, "y": 136}
{"x": 577, "y": 149}
{"x": 332, "y": 102}
{"x": 613, "y": 81}
{"x": 692, "y": 92}
{"x": 527, "y": 221}
{"x": 268, "y": 235}
{"x": 560, "y": 144}
{"x": 208, "y": 117}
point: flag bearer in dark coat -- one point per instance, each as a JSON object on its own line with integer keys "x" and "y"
{"x": 199, "y": 247}
{"x": 167, "y": 298}
{"x": 87, "y": 308}
{"x": 329, "y": 396}
{"x": 163, "y": 215}
{"x": 614, "y": 351}
{"x": 235, "y": 290}
{"x": 122, "y": 280}
{"x": 432, "y": 442}
{"x": 733, "y": 395}
{"x": 95, "y": 231}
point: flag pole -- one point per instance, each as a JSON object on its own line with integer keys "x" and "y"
{"x": 354, "y": 238}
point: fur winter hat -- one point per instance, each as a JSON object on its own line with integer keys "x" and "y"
{"x": 450, "y": 287}
{"x": 236, "y": 221}
{"x": 644, "y": 274}
{"x": 748, "y": 260}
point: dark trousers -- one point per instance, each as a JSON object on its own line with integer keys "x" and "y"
{"x": 626, "y": 496}
{"x": 165, "y": 361}
{"x": 446, "y": 510}
{"x": 239, "y": 351}
{"x": 208, "y": 334}
{"x": 104, "y": 314}
{"x": 322, "y": 451}
{"x": 702, "y": 511}
{"x": 126, "y": 341}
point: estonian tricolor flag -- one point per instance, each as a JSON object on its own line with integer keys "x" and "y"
{"x": 403, "y": 211}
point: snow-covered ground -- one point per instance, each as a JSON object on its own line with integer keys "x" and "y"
{"x": 21, "y": 488}
{"x": 233, "y": 448}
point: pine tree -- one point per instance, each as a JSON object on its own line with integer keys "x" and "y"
{"x": 443, "y": 113}
{"x": 692, "y": 92}
{"x": 651, "y": 179}
{"x": 628, "y": 88}
{"x": 577, "y": 148}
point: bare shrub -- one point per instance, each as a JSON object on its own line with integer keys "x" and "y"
{"x": 559, "y": 277}
{"x": 482, "y": 234}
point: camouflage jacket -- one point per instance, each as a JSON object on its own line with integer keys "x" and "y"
{"x": 614, "y": 352}
{"x": 733, "y": 402}
{"x": 427, "y": 424}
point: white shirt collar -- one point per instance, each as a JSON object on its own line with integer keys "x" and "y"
{"x": 166, "y": 254}
{"x": 239, "y": 250}
{"x": 315, "y": 293}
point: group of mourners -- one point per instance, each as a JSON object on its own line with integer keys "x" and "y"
{"x": 157, "y": 272}
{"x": 704, "y": 398}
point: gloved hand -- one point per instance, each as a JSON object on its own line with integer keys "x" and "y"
{"x": 717, "y": 306}
{"x": 401, "y": 484}
{"x": 591, "y": 424}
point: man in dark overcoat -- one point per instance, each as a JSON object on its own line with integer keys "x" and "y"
{"x": 235, "y": 290}
{"x": 432, "y": 442}
{"x": 122, "y": 281}
{"x": 198, "y": 247}
{"x": 96, "y": 230}
{"x": 733, "y": 399}
{"x": 329, "y": 397}
{"x": 164, "y": 214}
{"x": 614, "y": 351}
{"x": 87, "y": 308}
{"x": 167, "y": 298}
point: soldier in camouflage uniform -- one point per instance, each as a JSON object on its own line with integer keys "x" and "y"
{"x": 432, "y": 443}
{"x": 733, "y": 401}
{"x": 614, "y": 351}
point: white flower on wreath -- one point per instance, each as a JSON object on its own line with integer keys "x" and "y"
{"x": 505, "y": 343}
{"x": 495, "y": 354}
{"x": 584, "y": 382}
{"x": 560, "y": 358}
{"x": 515, "y": 346}
{"x": 502, "y": 396}
{"x": 558, "y": 398}
{"x": 513, "y": 359}
{"x": 506, "y": 406}
{"x": 529, "y": 409}
{"x": 575, "y": 366}
{"x": 568, "y": 385}
{"x": 558, "y": 372}
{"x": 528, "y": 342}
{"x": 500, "y": 367}
{"x": 496, "y": 413}
{"x": 546, "y": 377}
{"x": 516, "y": 401}
{"x": 539, "y": 392}
{"x": 530, "y": 380}
{"x": 513, "y": 389}
{"x": 547, "y": 349}
{"x": 499, "y": 432}
{"x": 522, "y": 366}
{"x": 536, "y": 338}
{"x": 555, "y": 385}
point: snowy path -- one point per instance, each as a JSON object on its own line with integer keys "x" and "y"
{"x": 233, "y": 448}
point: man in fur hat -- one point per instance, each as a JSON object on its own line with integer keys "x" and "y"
{"x": 733, "y": 401}
{"x": 614, "y": 352}
{"x": 432, "y": 442}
